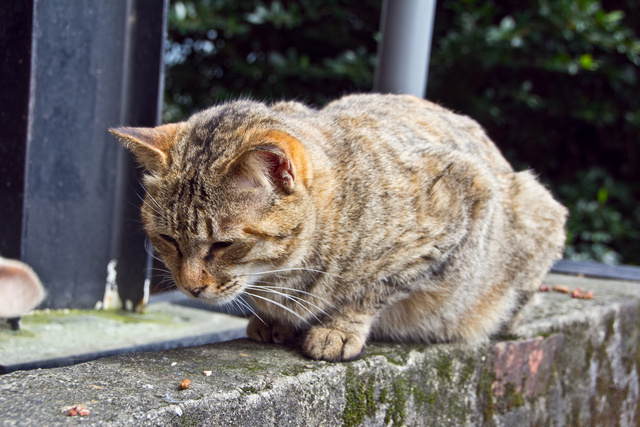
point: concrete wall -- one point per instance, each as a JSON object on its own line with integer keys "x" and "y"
{"x": 570, "y": 362}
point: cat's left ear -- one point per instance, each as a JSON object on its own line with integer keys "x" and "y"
{"x": 150, "y": 145}
{"x": 280, "y": 161}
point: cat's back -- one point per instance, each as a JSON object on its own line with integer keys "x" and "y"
{"x": 406, "y": 125}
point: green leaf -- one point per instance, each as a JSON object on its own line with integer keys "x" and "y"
{"x": 614, "y": 16}
{"x": 587, "y": 62}
{"x": 603, "y": 195}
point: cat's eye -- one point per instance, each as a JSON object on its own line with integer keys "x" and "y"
{"x": 173, "y": 241}
{"x": 169, "y": 238}
{"x": 216, "y": 247}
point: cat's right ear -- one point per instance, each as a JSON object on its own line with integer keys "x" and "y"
{"x": 150, "y": 145}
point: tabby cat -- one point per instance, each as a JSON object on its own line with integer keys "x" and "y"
{"x": 382, "y": 217}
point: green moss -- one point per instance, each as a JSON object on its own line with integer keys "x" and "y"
{"x": 372, "y": 406}
{"x": 383, "y": 395}
{"x": 392, "y": 355}
{"x": 395, "y": 361}
{"x": 252, "y": 367}
{"x": 546, "y": 335}
{"x": 418, "y": 395}
{"x": 508, "y": 337}
{"x": 588, "y": 351}
{"x": 292, "y": 371}
{"x": 602, "y": 386}
{"x": 485, "y": 393}
{"x": 249, "y": 390}
{"x": 188, "y": 421}
{"x": 20, "y": 333}
{"x": 456, "y": 411}
{"x": 360, "y": 395}
{"x": 511, "y": 398}
{"x": 119, "y": 316}
{"x": 575, "y": 415}
{"x": 443, "y": 367}
{"x": 424, "y": 399}
{"x": 397, "y": 412}
{"x": 467, "y": 370}
{"x": 609, "y": 327}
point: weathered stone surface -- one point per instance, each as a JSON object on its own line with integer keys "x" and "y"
{"x": 571, "y": 362}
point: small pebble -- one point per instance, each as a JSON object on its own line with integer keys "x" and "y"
{"x": 207, "y": 373}
{"x": 544, "y": 288}
{"x": 562, "y": 289}
{"x": 185, "y": 384}
{"x": 174, "y": 363}
{"x": 576, "y": 293}
{"x": 78, "y": 410}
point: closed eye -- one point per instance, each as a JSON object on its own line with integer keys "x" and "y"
{"x": 169, "y": 238}
{"x": 216, "y": 247}
{"x": 173, "y": 241}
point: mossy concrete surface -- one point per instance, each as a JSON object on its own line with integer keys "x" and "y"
{"x": 60, "y": 337}
{"x": 569, "y": 362}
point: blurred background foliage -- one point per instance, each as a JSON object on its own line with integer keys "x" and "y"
{"x": 554, "y": 83}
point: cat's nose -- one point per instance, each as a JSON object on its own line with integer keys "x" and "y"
{"x": 196, "y": 291}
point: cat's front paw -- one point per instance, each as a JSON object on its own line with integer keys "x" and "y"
{"x": 275, "y": 332}
{"x": 333, "y": 345}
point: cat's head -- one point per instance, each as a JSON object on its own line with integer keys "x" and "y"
{"x": 227, "y": 196}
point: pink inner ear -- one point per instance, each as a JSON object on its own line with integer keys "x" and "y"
{"x": 266, "y": 167}
{"x": 279, "y": 169}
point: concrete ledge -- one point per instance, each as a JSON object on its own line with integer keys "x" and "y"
{"x": 571, "y": 362}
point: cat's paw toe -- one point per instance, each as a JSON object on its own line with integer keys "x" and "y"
{"x": 281, "y": 334}
{"x": 259, "y": 331}
{"x": 333, "y": 345}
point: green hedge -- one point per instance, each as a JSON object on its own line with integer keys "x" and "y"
{"x": 555, "y": 83}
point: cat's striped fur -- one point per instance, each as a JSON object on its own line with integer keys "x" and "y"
{"x": 377, "y": 216}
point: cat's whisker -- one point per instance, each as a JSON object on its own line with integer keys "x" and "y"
{"x": 167, "y": 283}
{"x": 150, "y": 196}
{"x": 296, "y": 300}
{"x": 284, "y": 307}
{"x": 167, "y": 277}
{"x": 151, "y": 251}
{"x": 324, "y": 300}
{"x": 157, "y": 270}
{"x": 159, "y": 216}
{"x": 246, "y": 305}
{"x": 152, "y": 199}
{"x": 156, "y": 257}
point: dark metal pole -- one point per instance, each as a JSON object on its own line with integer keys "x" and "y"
{"x": 70, "y": 72}
{"x": 15, "y": 65}
{"x": 142, "y": 106}
{"x": 403, "y": 52}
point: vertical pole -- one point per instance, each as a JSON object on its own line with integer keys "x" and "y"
{"x": 142, "y": 90}
{"x": 61, "y": 85}
{"x": 15, "y": 65}
{"x": 403, "y": 53}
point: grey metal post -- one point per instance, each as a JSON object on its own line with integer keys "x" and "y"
{"x": 141, "y": 106}
{"x": 403, "y": 53}
{"x": 67, "y": 185}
